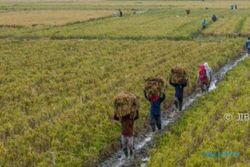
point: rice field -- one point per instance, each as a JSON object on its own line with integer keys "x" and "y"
{"x": 15, "y": 5}
{"x": 151, "y": 24}
{"x": 231, "y": 23}
{"x": 51, "y": 95}
{"x": 212, "y": 140}
{"x": 33, "y": 18}
{"x": 246, "y": 27}
{"x": 62, "y": 63}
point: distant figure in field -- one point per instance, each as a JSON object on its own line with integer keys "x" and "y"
{"x": 120, "y": 13}
{"x": 204, "y": 76}
{"x": 188, "y": 11}
{"x": 214, "y": 18}
{"x": 232, "y": 7}
{"x": 204, "y": 24}
{"x": 248, "y": 45}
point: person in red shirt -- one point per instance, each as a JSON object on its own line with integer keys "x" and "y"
{"x": 127, "y": 134}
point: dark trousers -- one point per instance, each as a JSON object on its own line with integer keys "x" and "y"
{"x": 178, "y": 102}
{"x": 155, "y": 120}
{"x": 248, "y": 51}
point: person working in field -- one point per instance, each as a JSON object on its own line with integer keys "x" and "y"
{"x": 127, "y": 111}
{"x": 154, "y": 93}
{"x": 214, "y": 18}
{"x": 204, "y": 24}
{"x": 120, "y": 13}
{"x": 204, "y": 76}
{"x": 232, "y": 7}
{"x": 235, "y": 6}
{"x": 178, "y": 79}
{"x": 248, "y": 45}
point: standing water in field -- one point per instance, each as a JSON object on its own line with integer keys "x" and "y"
{"x": 144, "y": 142}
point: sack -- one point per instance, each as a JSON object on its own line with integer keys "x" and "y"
{"x": 178, "y": 75}
{"x": 203, "y": 74}
{"x": 126, "y": 103}
{"x": 153, "y": 86}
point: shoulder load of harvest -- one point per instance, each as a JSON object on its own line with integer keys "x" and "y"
{"x": 153, "y": 86}
{"x": 178, "y": 75}
{"x": 126, "y": 103}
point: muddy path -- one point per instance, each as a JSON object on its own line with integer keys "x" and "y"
{"x": 144, "y": 142}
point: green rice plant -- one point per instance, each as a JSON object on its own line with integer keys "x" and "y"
{"x": 57, "y": 96}
{"x": 246, "y": 26}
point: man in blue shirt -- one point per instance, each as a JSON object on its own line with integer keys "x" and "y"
{"x": 179, "y": 88}
{"x": 204, "y": 24}
{"x": 248, "y": 45}
{"x": 155, "y": 111}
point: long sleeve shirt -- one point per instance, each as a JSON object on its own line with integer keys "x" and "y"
{"x": 179, "y": 89}
{"x": 156, "y": 104}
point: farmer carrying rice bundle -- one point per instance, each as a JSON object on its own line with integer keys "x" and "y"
{"x": 154, "y": 93}
{"x": 126, "y": 111}
{"x": 204, "y": 77}
{"x": 178, "y": 79}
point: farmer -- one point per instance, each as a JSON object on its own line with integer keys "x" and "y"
{"x": 188, "y": 11}
{"x": 214, "y": 18}
{"x": 232, "y": 7}
{"x": 127, "y": 139}
{"x": 204, "y": 24}
{"x": 155, "y": 112}
{"x": 248, "y": 45}
{"x": 179, "y": 88}
{"x": 204, "y": 76}
{"x": 120, "y": 12}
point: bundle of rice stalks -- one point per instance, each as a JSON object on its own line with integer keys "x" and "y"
{"x": 178, "y": 75}
{"x": 153, "y": 86}
{"x": 126, "y": 103}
